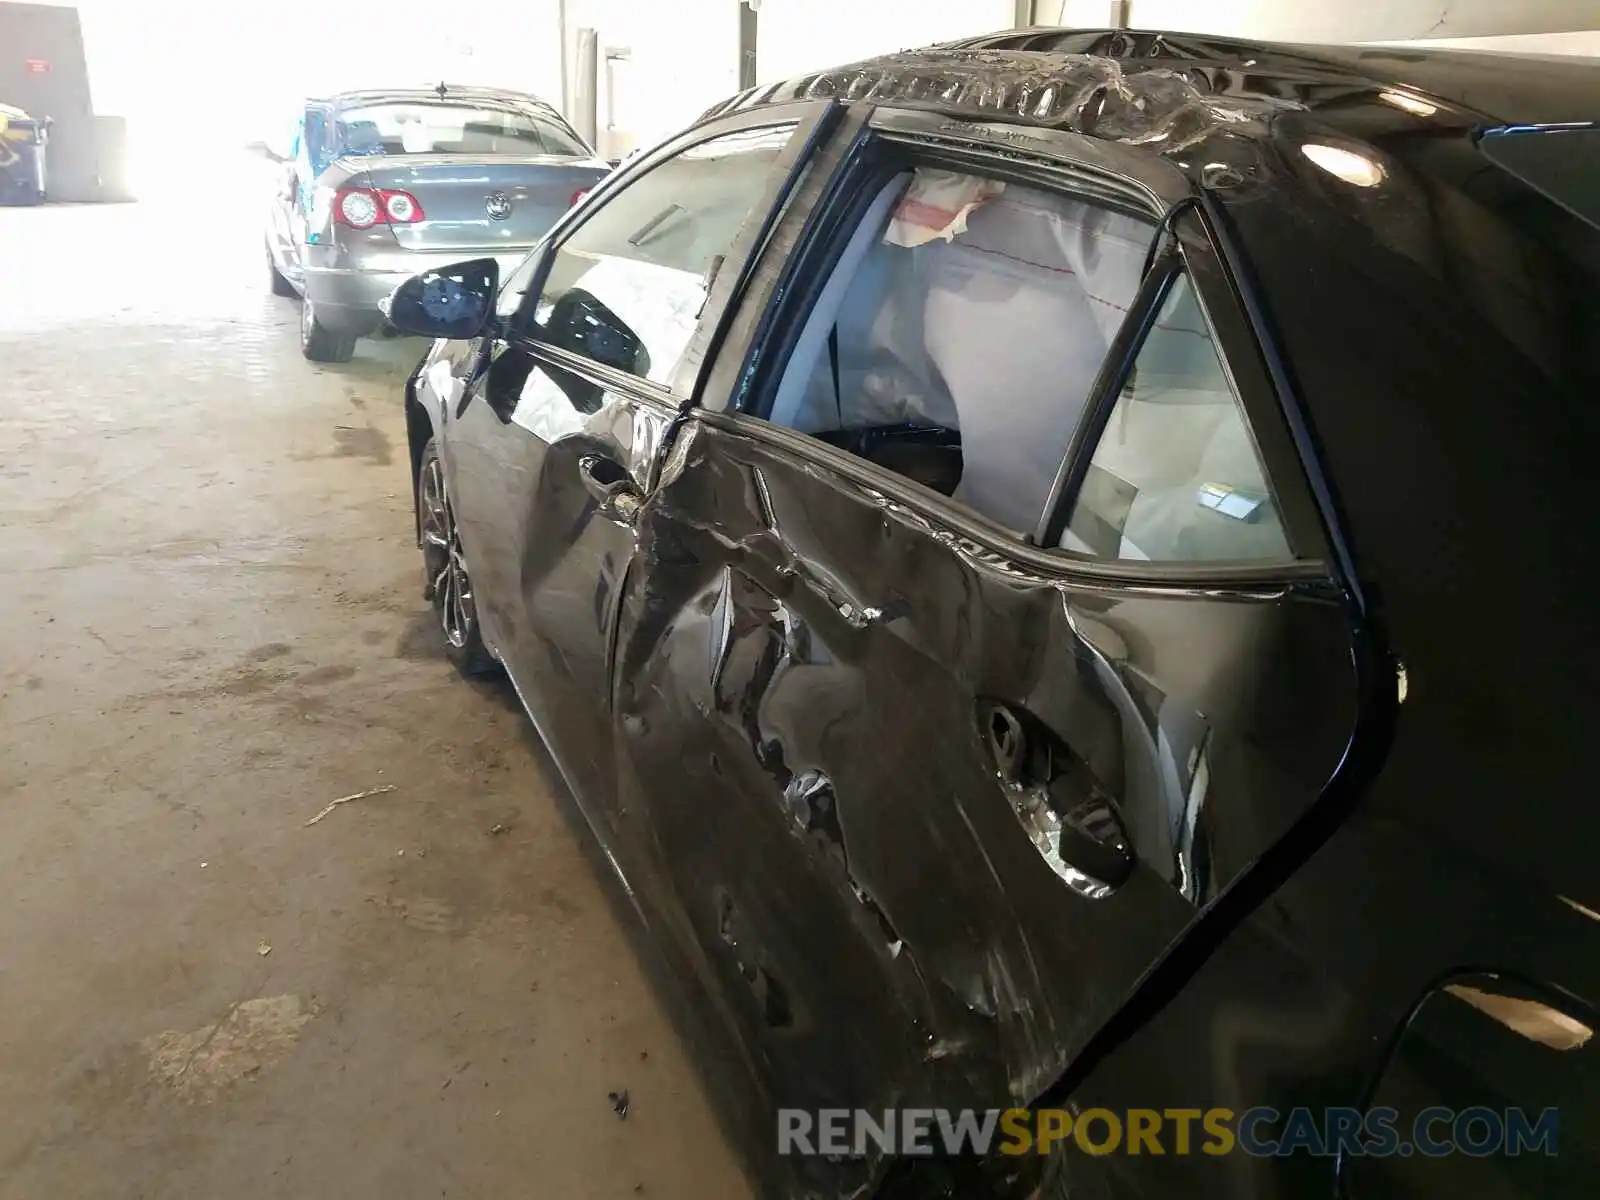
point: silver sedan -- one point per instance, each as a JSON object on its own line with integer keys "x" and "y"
{"x": 378, "y": 186}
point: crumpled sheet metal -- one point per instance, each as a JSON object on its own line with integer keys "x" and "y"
{"x": 1098, "y": 97}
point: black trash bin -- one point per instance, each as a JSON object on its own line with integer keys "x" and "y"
{"x": 22, "y": 156}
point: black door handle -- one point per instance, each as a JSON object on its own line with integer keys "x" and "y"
{"x": 1070, "y": 819}
{"x": 610, "y": 484}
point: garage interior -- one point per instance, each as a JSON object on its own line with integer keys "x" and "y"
{"x": 213, "y": 631}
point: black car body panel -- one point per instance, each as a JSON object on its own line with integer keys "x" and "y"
{"x": 1312, "y": 800}
{"x": 799, "y": 610}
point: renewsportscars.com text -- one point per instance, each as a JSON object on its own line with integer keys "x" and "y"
{"x": 1262, "y": 1132}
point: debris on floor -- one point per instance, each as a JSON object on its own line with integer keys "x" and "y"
{"x": 619, "y": 1103}
{"x": 498, "y": 828}
{"x": 264, "y": 949}
{"x": 373, "y": 791}
{"x": 167, "y": 481}
{"x": 253, "y": 1036}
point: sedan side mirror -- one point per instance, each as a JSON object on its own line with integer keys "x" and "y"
{"x": 579, "y": 322}
{"x": 453, "y": 302}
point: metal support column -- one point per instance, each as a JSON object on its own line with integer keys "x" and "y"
{"x": 748, "y": 29}
{"x": 586, "y": 86}
{"x": 561, "y": 34}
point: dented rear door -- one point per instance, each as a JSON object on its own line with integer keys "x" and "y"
{"x": 821, "y": 698}
{"x": 842, "y": 706}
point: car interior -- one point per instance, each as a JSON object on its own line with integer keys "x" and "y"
{"x": 1176, "y": 476}
{"x": 363, "y": 137}
{"x": 924, "y": 354}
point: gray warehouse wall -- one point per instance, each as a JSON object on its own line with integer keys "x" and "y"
{"x": 38, "y": 33}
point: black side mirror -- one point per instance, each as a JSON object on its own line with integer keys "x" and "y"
{"x": 579, "y": 322}
{"x": 453, "y": 302}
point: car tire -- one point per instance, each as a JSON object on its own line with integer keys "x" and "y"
{"x": 445, "y": 581}
{"x": 277, "y": 280}
{"x": 321, "y": 344}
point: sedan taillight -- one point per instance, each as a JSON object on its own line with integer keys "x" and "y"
{"x": 362, "y": 208}
{"x": 402, "y": 208}
{"x": 357, "y": 208}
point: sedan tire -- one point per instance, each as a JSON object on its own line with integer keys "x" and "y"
{"x": 321, "y": 344}
{"x": 444, "y": 570}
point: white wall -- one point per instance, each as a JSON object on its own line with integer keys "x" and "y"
{"x": 1584, "y": 43}
{"x": 1339, "y": 20}
{"x": 195, "y": 77}
{"x": 1084, "y": 14}
{"x": 231, "y": 67}
{"x": 685, "y": 53}
{"x": 197, "y": 73}
{"x": 797, "y": 36}
{"x": 684, "y": 58}
{"x": 1400, "y": 21}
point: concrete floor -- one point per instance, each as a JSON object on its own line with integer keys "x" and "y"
{"x": 211, "y": 626}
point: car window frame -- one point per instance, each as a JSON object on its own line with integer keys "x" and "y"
{"x": 553, "y": 115}
{"x": 313, "y": 112}
{"x": 810, "y": 121}
{"x": 1192, "y": 252}
{"x": 1039, "y": 157}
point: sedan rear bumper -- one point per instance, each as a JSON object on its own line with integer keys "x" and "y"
{"x": 346, "y": 299}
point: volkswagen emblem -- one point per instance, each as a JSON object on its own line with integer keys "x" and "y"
{"x": 498, "y": 206}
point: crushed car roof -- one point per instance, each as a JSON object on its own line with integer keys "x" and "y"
{"x": 1510, "y": 88}
{"x": 1168, "y": 89}
{"x": 1088, "y": 94}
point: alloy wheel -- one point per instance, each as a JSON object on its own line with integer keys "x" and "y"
{"x": 449, "y": 586}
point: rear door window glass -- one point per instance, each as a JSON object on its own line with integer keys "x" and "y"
{"x": 960, "y": 333}
{"x": 1176, "y": 476}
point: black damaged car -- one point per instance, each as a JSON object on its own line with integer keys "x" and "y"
{"x": 1060, "y": 570}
